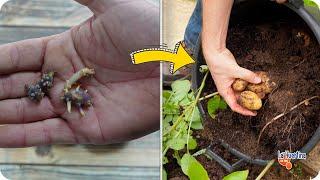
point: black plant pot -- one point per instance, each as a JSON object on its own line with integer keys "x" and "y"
{"x": 256, "y": 10}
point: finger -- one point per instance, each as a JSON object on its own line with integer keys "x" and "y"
{"x": 18, "y": 111}
{"x": 248, "y": 75}
{"x": 231, "y": 100}
{"x": 50, "y": 131}
{"x": 13, "y": 86}
{"x": 24, "y": 55}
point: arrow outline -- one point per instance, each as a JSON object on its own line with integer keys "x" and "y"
{"x": 175, "y": 51}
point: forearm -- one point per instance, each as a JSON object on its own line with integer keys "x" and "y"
{"x": 216, "y": 14}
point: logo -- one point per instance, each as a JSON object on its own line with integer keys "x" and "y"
{"x": 284, "y": 158}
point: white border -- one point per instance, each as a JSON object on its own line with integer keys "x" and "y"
{"x": 161, "y": 84}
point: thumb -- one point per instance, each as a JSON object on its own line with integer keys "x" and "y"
{"x": 248, "y": 75}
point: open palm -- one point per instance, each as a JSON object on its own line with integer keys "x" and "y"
{"x": 125, "y": 96}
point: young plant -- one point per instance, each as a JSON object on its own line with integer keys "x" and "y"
{"x": 180, "y": 117}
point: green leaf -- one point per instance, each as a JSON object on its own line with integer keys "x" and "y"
{"x": 176, "y": 143}
{"x": 223, "y": 105}
{"x": 164, "y": 174}
{"x": 197, "y": 125}
{"x": 192, "y": 168}
{"x": 192, "y": 143}
{"x": 311, "y": 3}
{"x": 180, "y": 88}
{"x": 185, "y": 101}
{"x": 168, "y": 118}
{"x": 166, "y": 95}
{"x": 170, "y": 108}
{"x": 191, "y": 96}
{"x": 176, "y": 155}
{"x": 195, "y": 117}
{"x": 239, "y": 175}
{"x": 214, "y": 104}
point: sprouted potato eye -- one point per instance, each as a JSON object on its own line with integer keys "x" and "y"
{"x": 77, "y": 96}
{"x": 250, "y": 100}
{"x": 41, "y": 88}
{"x": 34, "y": 92}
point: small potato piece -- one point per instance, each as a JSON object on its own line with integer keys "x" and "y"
{"x": 239, "y": 85}
{"x": 250, "y": 100}
{"x": 265, "y": 87}
{"x": 257, "y": 88}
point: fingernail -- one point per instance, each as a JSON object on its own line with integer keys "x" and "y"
{"x": 257, "y": 79}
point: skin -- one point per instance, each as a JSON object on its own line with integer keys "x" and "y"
{"x": 221, "y": 62}
{"x": 125, "y": 96}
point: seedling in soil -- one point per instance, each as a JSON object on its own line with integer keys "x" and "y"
{"x": 41, "y": 88}
{"x": 74, "y": 94}
{"x": 180, "y": 117}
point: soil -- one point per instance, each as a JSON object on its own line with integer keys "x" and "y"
{"x": 290, "y": 54}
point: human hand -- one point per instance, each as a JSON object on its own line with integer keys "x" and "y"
{"x": 224, "y": 70}
{"x": 125, "y": 96}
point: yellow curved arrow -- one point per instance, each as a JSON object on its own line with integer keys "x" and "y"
{"x": 178, "y": 58}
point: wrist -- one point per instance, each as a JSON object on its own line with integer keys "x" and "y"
{"x": 209, "y": 49}
{"x": 211, "y": 45}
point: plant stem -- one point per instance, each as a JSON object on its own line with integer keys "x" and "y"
{"x": 178, "y": 121}
{"x": 265, "y": 170}
{"x": 190, "y": 107}
{"x": 200, "y": 152}
{"x": 193, "y": 108}
{"x": 208, "y": 96}
{"x": 167, "y": 148}
{"x": 195, "y": 104}
{"x": 77, "y": 76}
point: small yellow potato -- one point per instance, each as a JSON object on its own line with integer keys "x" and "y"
{"x": 250, "y": 100}
{"x": 265, "y": 87}
{"x": 239, "y": 85}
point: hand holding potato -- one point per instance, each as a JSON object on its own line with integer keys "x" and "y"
{"x": 251, "y": 97}
{"x": 224, "y": 70}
